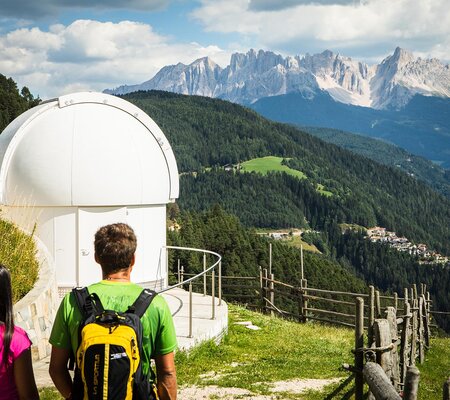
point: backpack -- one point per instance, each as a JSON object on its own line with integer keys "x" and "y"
{"x": 109, "y": 356}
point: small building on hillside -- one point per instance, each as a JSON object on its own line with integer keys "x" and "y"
{"x": 78, "y": 162}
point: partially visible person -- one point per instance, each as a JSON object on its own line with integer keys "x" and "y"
{"x": 16, "y": 370}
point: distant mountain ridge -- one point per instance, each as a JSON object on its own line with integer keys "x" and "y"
{"x": 255, "y": 75}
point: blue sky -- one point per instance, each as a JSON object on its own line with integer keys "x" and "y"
{"x": 55, "y": 48}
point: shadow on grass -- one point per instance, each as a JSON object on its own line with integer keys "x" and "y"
{"x": 343, "y": 391}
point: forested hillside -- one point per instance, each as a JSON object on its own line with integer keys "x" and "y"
{"x": 207, "y": 134}
{"x": 388, "y": 154}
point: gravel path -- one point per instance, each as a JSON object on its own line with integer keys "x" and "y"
{"x": 296, "y": 386}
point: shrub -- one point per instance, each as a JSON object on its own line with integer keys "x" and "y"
{"x": 18, "y": 254}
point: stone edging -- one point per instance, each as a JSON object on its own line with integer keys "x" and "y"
{"x": 36, "y": 311}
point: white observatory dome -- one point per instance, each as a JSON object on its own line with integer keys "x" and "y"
{"x": 86, "y": 149}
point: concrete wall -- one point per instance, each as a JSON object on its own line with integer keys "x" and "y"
{"x": 36, "y": 311}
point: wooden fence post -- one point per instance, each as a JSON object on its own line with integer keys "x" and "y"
{"x": 371, "y": 315}
{"x": 261, "y": 288}
{"x": 266, "y": 289}
{"x": 377, "y": 304}
{"x": 446, "y": 394}
{"x": 415, "y": 293}
{"x": 411, "y": 383}
{"x": 396, "y": 301}
{"x": 414, "y": 330}
{"x": 379, "y": 383}
{"x": 359, "y": 345}
{"x": 305, "y": 300}
{"x": 392, "y": 320}
{"x": 404, "y": 349}
{"x": 272, "y": 293}
{"x": 426, "y": 322}
{"x": 420, "y": 330}
{"x": 383, "y": 339}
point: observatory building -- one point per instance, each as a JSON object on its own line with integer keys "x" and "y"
{"x": 81, "y": 161}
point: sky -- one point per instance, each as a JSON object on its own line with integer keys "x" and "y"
{"x": 56, "y": 47}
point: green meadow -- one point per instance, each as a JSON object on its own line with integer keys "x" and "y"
{"x": 264, "y": 165}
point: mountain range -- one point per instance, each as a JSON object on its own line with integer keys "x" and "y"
{"x": 255, "y": 75}
{"x": 404, "y": 100}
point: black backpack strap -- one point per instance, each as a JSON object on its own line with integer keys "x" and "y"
{"x": 142, "y": 302}
{"x": 87, "y": 303}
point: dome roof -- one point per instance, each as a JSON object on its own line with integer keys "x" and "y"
{"x": 86, "y": 149}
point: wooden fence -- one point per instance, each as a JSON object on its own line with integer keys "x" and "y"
{"x": 390, "y": 331}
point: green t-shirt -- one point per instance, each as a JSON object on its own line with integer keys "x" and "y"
{"x": 158, "y": 330}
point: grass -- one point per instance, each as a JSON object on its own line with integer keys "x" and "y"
{"x": 435, "y": 370}
{"x": 280, "y": 350}
{"x": 18, "y": 254}
{"x": 268, "y": 164}
{"x": 296, "y": 241}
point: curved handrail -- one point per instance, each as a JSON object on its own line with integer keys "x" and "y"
{"x": 198, "y": 275}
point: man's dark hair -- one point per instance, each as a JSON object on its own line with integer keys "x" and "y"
{"x": 115, "y": 246}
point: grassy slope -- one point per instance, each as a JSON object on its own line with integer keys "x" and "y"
{"x": 264, "y": 165}
{"x": 267, "y": 164}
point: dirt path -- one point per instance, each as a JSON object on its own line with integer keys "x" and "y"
{"x": 296, "y": 386}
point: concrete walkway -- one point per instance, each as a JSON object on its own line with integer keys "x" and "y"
{"x": 203, "y": 326}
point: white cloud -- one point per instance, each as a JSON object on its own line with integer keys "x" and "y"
{"x": 420, "y": 25}
{"x": 92, "y": 55}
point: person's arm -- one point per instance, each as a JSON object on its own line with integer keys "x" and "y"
{"x": 166, "y": 377}
{"x": 24, "y": 377}
{"x": 59, "y": 372}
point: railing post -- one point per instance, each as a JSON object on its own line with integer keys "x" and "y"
{"x": 220, "y": 282}
{"x": 182, "y": 274}
{"x": 396, "y": 301}
{"x": 190, "y": 310}
{"x": 359, "y": 344}
{"x": 213, "y": 294}
{"x": 272, "y": 293}
{"x": 167, "y": 267}
{"x": 204, "y": 275}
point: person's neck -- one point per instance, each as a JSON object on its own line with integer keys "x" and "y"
{"x": 121, "y": 276}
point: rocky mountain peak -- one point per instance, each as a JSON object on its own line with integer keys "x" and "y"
{"x": 257, "y": 74}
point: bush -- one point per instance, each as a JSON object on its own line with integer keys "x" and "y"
{"x": 18, "y": 254}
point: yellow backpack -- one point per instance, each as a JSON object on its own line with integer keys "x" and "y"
{"x": 109, "y": 356}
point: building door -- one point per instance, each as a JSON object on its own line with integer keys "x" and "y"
{"x": 89, "y": 220}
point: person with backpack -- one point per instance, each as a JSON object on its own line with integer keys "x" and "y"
{"x": 16, "y": 370}
{"x": 101, "y": 329}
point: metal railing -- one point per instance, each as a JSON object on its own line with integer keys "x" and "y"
{"x": 182, "y": 282}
